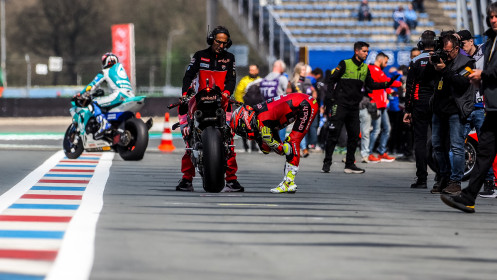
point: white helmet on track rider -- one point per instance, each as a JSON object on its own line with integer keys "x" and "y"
{"x": 108, "y": 60}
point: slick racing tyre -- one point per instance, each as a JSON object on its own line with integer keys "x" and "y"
{"x": 213, "y": 160}
{"x": 72, "y": 143}
{"x": 137, "y": 133}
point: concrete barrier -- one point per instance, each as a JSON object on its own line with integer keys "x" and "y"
{"x": 47, "y": 107}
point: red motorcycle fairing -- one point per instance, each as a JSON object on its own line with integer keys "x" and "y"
{"x": 206, "y": 95}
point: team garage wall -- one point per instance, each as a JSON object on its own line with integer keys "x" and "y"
{"x": 47, "y": 107}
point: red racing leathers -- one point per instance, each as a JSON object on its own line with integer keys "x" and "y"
{"x": 277, "y": 113}
{"x": 219, "y": 68}
{"x": 379, "y": 96}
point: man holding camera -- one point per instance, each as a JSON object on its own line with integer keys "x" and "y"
{"x": 453, "y": 102}
{"x": 465, "y": 201}
{"x": 420, "y": 85}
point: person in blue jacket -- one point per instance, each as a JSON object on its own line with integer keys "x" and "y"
{"x": 117, "y": 80}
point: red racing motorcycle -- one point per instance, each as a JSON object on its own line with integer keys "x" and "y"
{"x": 210, "y": 138}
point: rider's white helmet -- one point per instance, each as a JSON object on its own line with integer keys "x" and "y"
{"x": 109, "y": 59}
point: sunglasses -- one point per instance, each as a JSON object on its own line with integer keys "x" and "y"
{"x": 221, "y": 42}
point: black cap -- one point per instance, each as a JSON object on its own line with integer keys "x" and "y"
{"x": 465, "y": 35}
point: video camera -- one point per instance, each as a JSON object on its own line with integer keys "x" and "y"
{"x": 439, "y": 53}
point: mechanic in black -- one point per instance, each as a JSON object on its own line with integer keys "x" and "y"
{"x": 214, "y": 63}
{"x": 218, "y": 66}
{"x": 348, "y": 85}
{"x": 420, "y": 86}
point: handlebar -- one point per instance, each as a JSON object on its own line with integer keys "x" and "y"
{"x": 185, "y": 99}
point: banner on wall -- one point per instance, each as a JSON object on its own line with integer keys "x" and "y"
{"x": 123, "y": 45}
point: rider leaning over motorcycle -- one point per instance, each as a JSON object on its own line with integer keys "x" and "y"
{"x": 264, "y": 120}
{"x": 117, "y": 80}
{"x": 218, "y": 66}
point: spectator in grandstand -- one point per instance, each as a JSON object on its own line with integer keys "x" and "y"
{"x": 465, "y": 201}
{"x": 419, "y": 5}
{"x": 345, "y": 92}
{"x": 381, "y": 125}
{"x": 364, "y": 12}
{"x": 299, "y": 83}
{"x": 240, "y": 93}
{"x": 400, "y": 25}
{"x": 453, "y": 101}
{"x": 411, "y": 17}
{"x": 475, "y": 120}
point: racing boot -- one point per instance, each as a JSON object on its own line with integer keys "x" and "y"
{"x": 288, "y": 184}
{"x": 104, "y": 126}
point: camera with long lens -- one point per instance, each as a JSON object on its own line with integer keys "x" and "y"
{"x": 439, "y": 53}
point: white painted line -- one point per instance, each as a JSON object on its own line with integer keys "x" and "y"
{"x": 10, "y": 196}
{"x": 16, "y": 137}
{"x": 30, "y": 244}
{"x": 55, "y": 192}
{"x": 9, "y": 225}
{"x": 49, "y": 201}
{"x": 75, "y": 258}
{"x": 25, "y": 266}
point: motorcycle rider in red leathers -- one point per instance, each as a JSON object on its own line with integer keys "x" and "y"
{"x": 264, "y": 120}
{"x": 218, "y": 66}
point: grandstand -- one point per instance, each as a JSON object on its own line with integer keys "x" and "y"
{"x": 285, "y": 26}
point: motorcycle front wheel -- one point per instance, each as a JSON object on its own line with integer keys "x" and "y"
{"x": 137, "y": 132}
{"x": 213, "y": 160}
{"x": 72, "y": 144}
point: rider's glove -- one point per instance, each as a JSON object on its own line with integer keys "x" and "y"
{"x": 226, "y": 94}
{"x": 268, "y": 138}
{"x": 185, "y": 130}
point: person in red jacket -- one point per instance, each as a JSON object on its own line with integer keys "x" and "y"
{"x": 218, "y": 66}
{"x": 263, "y": 122}
{"x": 381, "y": 126}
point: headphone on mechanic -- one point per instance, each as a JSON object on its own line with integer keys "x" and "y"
{"x": 219, "y": 30}
{"x": 425, "y": 39}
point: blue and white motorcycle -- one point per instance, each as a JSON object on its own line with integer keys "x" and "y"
{"x": 128, "y": 135}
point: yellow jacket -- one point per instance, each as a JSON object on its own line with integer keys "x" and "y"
{"x": 240, "y": 88}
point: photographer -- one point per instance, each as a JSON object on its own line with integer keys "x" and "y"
{"x": 420, "y": 85}
{"x": 475, "y": 120}
{"x": 465, "y": 201}
{"x": 453, "y": 101}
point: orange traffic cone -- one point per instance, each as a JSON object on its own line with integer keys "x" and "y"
{"x": 166, "y": 144}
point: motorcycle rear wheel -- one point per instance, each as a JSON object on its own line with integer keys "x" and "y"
{"x": 213, "y": 160}
{"x": 72, "y": 144}
{"x": 138, "y": 132}
{"x": 469, "y": 155}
